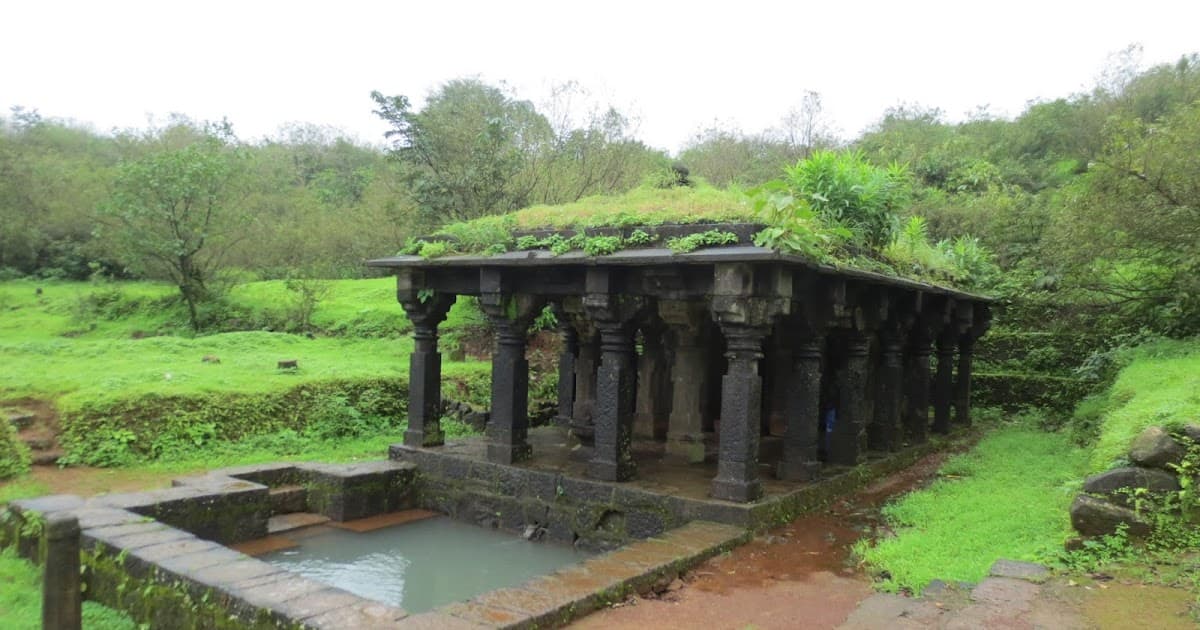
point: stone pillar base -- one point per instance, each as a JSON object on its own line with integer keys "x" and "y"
{"x": 605, "y": 470}
{"x": 508, "y": 453}
{"x": 734, "y": 490}
{"x": 689, "y": 447}
{"x": 798, "y": 471}
{"x": 431, "y": 436}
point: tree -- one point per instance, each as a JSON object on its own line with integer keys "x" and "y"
{"x": 1131, "y": 231}
{"x": 173, "y": 212}
{"x": 464, "y": 151}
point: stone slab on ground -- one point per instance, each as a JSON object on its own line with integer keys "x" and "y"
{"x": 569, "y": 593}
{"x": 372, "y": 523}
{"x": 287, "y": 522}
{"x": 1017, "y": 569}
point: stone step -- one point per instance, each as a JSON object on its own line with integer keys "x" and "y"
{"x": 21, "y": 419}
{"x": 46, "y": 458}
{"x": 288, "y": 499}
{"x": 38, "y": 441}
{"x": 296, "y": 520}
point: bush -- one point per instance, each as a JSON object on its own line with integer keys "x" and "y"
{"x": 153, "y": 426}
{"x": 14, "y": 456}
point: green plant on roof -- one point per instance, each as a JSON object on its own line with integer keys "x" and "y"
{"x": 834, "y": 208}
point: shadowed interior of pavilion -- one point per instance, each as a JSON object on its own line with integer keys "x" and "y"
{"x": 731, "y": 373}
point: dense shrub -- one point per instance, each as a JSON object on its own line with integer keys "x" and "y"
{"x": 14, "y": 456}
{"x": 151, "y": 426}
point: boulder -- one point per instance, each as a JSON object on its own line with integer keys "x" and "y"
{"x": 1095, "y": 517}
{"x": 1110, "y": 483}
{"x": 1192, "y": 432}
{"x": 1155, "y": 448}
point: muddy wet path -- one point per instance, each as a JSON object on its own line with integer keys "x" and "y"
{"x": 795, "y": 576}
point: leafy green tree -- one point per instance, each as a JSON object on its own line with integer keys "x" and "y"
{"x": 1130, "y": 232}
{"x": 174, "y": 213}
{"x": 464, "y": 151}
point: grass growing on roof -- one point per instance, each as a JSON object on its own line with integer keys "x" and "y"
{"x": 1006, "y": 498}
{"x": 1160, "y": 386}
{"x": 641, "y": 206}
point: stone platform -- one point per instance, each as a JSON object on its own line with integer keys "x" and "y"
{"x": 551, "y": 490}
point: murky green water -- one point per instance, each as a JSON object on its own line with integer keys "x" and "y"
{"x": 423, "y": 565}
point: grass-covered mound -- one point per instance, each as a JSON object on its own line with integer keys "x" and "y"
{"x": 833, "y": 208}
{"x": 1007, "y": 498}
{"x": 124, "y": 397}
{"x": 1158, "y": 386}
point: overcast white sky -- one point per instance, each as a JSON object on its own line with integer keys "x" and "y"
{"x": 678, "y": 66}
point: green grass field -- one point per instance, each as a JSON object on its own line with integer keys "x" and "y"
{"x": 112, "y": 354}
{"x": 1006, "y": 498}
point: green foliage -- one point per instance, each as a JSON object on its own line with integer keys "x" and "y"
{"x": 475, "y": 150}
{"x": 792, "y": 225}
{"x": 1007, "y": 498}
{"x": 963, "y": 261}
{"x": 14, "y": 456}
{"x": 172, "y": 212}
{"x": 845, "y": 189}
{"x": 692, "y": 242}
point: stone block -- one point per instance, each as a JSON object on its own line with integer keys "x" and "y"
{"x": 436, "y": 620}
{"x": 47, "y": 504}
{"x": 288, "y": 500}
{"x": 95, "y": 517}
{"x": 1094, "y": 517}
{"x": 354, "y": 491}
{"x": 142, "y": 562}
{"x": 587, "y": 492}
{"x": 316, "y": 603}
{"x": 1019, "y": 570}
{"x": 1117, "y": 484}
{"x": 1155, "y": 448}
{"x": 644, "y": 524}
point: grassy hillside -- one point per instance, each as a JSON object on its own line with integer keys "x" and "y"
{"x": 129, "y": 384}
{"x": 1007, "y": 498}
{"x": 1159, "y": 386}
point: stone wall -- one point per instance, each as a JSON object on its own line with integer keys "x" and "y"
{"x": 1111, "y": 498}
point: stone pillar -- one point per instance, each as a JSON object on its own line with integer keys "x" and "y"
{"x": 650, "y": 391}
{"x": 884, "y": 433}
{"x": 689, "y": 373}
{"x": 587, "y": 364}
{"x": 566, "y": 368}
{"x": 62, "y": 599}
{"x": 848, "y": 441}
{"x": 943, "y": 381}
{"x": 803, "y": 412}
{"x": 778, "y": 367}
{"x": 741, "y": 415}
{"x": 916, "y": 411}
{"x": 962, "y": 382}
{"x": 613, "y": 314}
{"x": 746, "y": 301}
{"x": 425, "y": 311}
{"x": 613, "y": 457}
{"x": 508, "y": 429}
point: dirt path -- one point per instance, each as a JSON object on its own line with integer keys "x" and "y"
{"x": 799, "y": 576}
{"x": 796, "y": 576}
{"x": 87, "y": 481}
